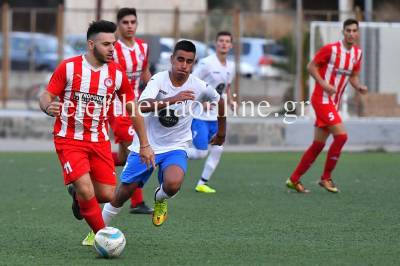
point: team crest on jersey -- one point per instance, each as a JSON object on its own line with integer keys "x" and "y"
{"x": 220, "y": 88}
{"x": 167, "y": 117}
{"x": 109, "y": 82}
{"x": 141, "y": 57}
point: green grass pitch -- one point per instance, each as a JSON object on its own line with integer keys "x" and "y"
{"x": 251, "y": 220}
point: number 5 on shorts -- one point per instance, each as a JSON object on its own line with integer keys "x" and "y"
{"x": 331, "y": 116}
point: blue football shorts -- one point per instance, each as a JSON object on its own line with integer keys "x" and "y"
{"x": 202, "y": 132}
{"x": 135, "y": 171}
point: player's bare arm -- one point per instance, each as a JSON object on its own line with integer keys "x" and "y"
{"x": 146, "y": 152}
{"x": 313, "y": 68}
{"x": 356, "y": 83}
{"x": 219, "y": 138}
{"x": 48, "y": 104}
{"x": 231, "y": 100}
{"x": 150, "y": 105}
{"x": 146, "y": 74}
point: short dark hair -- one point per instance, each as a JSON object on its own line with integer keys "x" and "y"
{"x": 224, "y": 33}
{"x": 350, "y": 21}
{"x": 100, "y": 26}
{"x": 186, "y": 46}
{"x": 125, "y": 11}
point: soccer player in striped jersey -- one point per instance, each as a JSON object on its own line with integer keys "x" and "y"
{"x": 132, "y": 54}
{"x": 333, "y": 67}
{"x": 78, "y": 95}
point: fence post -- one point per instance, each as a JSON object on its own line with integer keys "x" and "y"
{"x": 99, "y": 7}
{"x": 298, "y": 88}
{"x": 176, "y": 29}
{"x": 206, "y": 30}
{"x": 60, "y": 32}
{"x": 6, "y": 53}
{"x": 32, "y": 52}
{"x": 237, "y": 50}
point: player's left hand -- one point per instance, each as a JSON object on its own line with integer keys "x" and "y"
{"x": 362, "y": 89}
{"x": 218, "y": 139}
{"x": 147, "y": 156}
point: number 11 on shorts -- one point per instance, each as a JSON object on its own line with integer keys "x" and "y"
{"x": 67, "y": 168}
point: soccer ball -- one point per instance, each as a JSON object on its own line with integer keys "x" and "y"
{"x": 109, "y": 242}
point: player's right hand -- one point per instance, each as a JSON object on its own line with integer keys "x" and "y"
{"x": 147, "y": 156}
{"x": 232, "y": 105}
{"x": 329, "y": 89}
{"x": 363, "y": 89}
{"x": 184, "y": 96}
{"x": 218, "y": 140}
{"x": 54, "y": 109}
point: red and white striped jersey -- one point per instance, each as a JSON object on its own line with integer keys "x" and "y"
{"x": 86, "y": 93}
{"x": 133, "y": 60}
{"x": 336, "y": 64}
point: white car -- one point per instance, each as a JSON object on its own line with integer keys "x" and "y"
{"x": 258, "y": 56}
{"x": 167, "y": 47}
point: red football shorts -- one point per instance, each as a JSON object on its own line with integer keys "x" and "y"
{"x": 122, "y": 128}
{"x": 326, "y": 115}
{"x": 80, "y": 157}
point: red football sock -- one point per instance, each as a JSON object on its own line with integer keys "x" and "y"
{"x": 333, "y": 155}
{"x": 117, "y": 162}
{"x": 91, "y": 211}
{"x": 137, "y": 197}
{"x": 307, "y": 160}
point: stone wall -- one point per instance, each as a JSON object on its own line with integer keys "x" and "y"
{"x": 244, "y": 134}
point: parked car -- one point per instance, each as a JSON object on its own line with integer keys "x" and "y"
{"x": 167, "y": 47}
{"x": 77, "y": 42}
{"x": 258, "y": 56}
{"x": 37, "y": 51}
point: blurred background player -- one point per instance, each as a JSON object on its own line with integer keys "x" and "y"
{"x": 217, "y": 72}
{"x": 132, "y": 54}
{"x": 333, "y": 67}
{"x": 167, "y": 94}
{"x": 85, "y": 86}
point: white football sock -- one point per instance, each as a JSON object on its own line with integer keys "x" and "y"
{"x": 109, "y": 212}
{"x": 161, "y": 194}
{"x": 194, "y": 153}
{"x": 211, "y": 163}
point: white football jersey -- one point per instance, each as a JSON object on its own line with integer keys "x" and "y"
{"x": 172, "y": 132}
{"x": 218, "y": 76}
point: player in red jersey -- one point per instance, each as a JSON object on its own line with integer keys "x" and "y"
{"x": 78, "y": 95}
{"x": 132, "y": 55}
{"x": 333, "y": 67}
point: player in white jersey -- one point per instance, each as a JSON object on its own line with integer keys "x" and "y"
{"x": 168, "y": 103}
{"x": 218, "y": 72}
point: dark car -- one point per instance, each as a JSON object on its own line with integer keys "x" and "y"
{"x": 34, "y": 51}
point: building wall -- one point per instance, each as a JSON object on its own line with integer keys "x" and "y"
{"x": 155, "y": 16}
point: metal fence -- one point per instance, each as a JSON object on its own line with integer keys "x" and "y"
{"x": 269, "y": 75}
